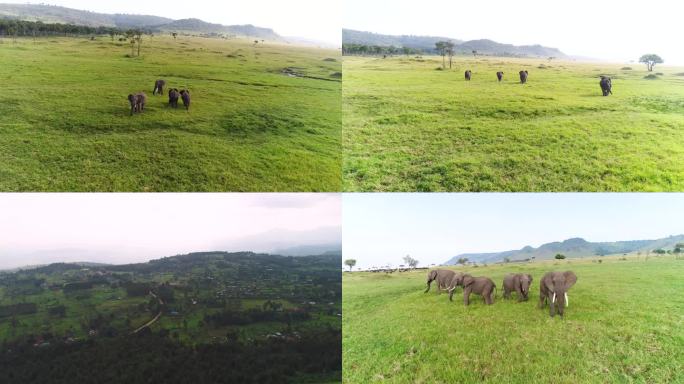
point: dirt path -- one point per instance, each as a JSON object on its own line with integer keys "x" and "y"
{"x": 154, "y": 320}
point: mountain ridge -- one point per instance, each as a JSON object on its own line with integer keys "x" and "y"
{"x": 573, "y": 247}
{"x": 427, "y": 43}
{"x": 64, "y": 15}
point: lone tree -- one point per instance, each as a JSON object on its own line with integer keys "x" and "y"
{"x": 406, "y": 50}
{"x": 507, "y": 259}
{"x": 410, "y": 261}
{"x": 441, "y": 47}
{"x": 651, "y": 60}
{"x": 462, "y": 260}
{"x": 560, "y": 256}
{"x": 449, "y": 47}
{"x": 350, "y": 263}
{"x": 174, "y": 34}
{"x": 474, "y": 53}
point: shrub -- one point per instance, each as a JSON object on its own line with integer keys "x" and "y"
{"x": 651, "y": 77}
{"x": 626, "y": 68}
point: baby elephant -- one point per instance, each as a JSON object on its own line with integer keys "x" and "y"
{"x": 174, "y": 95}
{"x": 159, "y": 87}
{"x": 137, "y": 102}
{"x": 468, "y": 75}
{"x": 499, "y": 75}
{"x": 523, "y": 77}
{"x": 442, "y": 276}
{"x": 483, "y": 286}
{"x": 518, "y": 282}
{"x": 185, "y": 95}
{"x": 606, "y": 85}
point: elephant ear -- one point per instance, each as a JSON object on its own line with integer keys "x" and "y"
{"x": 570, "y": 279}
{"x": 467, "y": 280}
{"x": 548, "y": 282}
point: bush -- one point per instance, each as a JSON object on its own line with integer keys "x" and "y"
{"x": 659, "y": 74}
{"x": 651, "y": 77}
{"x": 626, "y": 68}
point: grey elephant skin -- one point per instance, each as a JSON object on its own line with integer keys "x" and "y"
{"x": 159, "y": 87}
{"x": 499, "y": 75}
{"x": 523, "y": 77}
{"x": 553, "y": 288}
{"x": 483, "y": 286}
{"x": 606, "y": 85}
{"x": 442, "y": 276}
{"x": 455, "y": 282}
{"x": 468, "y": 75}
{"x": 519, "y": 283}
{"x": 137, "y": 102}
{"x": 174, "y": 95}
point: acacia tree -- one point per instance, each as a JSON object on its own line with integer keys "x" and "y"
{"x": 449, "y": 47}
{"x": 174, "y": 34}
{"x": 651, "y": 60}
{"x": 474, "y": 53}
{"x": 441, "y": 46}
{"x": 350, "y": 263}
{"x": 560, "y": 256}
{"x": 410, "y": 261}
{"x": 462, "y": 260}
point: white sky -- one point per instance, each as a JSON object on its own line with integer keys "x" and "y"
{"x": 121, "y": 228}
{"x": 616, "y": 30}
{"x": 380, "y": 229}
{"x": 311, "y": 19}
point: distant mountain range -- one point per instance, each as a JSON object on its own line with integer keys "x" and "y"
{"x": 427, "y": 44}
{"x": 575, "y": 247}
{"x": 63, "y": 15}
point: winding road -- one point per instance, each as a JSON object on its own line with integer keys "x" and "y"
{"x": 154, "y": 320}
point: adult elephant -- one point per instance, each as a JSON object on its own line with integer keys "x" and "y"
{"x": 606, "y": 85}
{"x": 499, "y": 75}
{"x": 468, "y": 75}
{"x": 455, "y": 282}
{"x": 442, "y": 276}
{"x": 523, "y": 77}
{"x": 518, "y": 282}
{"x": 159, "y": 87}
{"x": 553, "y": 288}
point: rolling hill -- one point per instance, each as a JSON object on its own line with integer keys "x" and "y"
{"x": 63, "y": 15}
{"x": 427, "y": 44}
{"x": 575, "y": 247}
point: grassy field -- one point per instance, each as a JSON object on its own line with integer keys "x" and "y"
{"x": 624, "y": 324}
{"x": 264, "y": 118}
{"x": 411, "y": 127}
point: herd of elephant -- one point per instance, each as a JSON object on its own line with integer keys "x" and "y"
{"x": 139, "y": 100}
{"x": 553, "y": 287}
{"x": 605, "y": 83}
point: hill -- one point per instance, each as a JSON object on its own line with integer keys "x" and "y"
{"x": 427, "y": 44}
{"x": 575, "y": 247}
{"x": 272, "y": 318}
{"x": 57, "y": 14}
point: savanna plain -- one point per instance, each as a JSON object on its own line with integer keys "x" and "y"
{"x": 264, "y": 116}
{"x": 623, "y": 324}
{"x": 410, "y": 125}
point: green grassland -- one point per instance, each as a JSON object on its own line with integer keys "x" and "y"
{"x": 263, "y": 118}
{"x": 624, "y": 324}
{"x": 410, "y": 127}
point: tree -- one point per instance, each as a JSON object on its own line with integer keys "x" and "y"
{"x": 174, "y": 34}
{"x": 507, "y": 259}
{"x": 651, "y": 60}
{"x": 410, "y": 261}
{"x": 350, "y": 263}
{"x": 406, "y": 50}
{"x": 449, "y": 47}
{"x": 462, "y": 260}
{"x": 474, "y": 53}
{"x": 441, "y": 47}
{"x": 560, "y": 256}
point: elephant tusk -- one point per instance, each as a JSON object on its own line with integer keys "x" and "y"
{"x": 566, "y": 299}
{"x": 553, "y": 300}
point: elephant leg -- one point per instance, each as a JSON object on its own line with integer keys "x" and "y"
{"x": 488, "y": 297}
{"x": 542, "y": 298}
{"x": 520, "y": 294}
{"x": 552, "y": 308}
{"x": 466, "y": 296}
{"x": 428, "y": 286}
{"x": 451, "y": 293}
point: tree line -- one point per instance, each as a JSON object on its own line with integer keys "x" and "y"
{"x": 22, "y": 28}
{"x": 378, "y": 50}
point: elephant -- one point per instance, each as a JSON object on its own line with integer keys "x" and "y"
{"x": 174, "y": 95}
{"x": 443, "y": 277}
{"x": 468, "y": 75}
{"x": 523, "y": 77}
{"x": 606, "y": 85}
{"x": 483, "y": 286}
{"x": 455, "y": 282}
{"x": 137, "y": 102}
{"x": 185, "y": 95}
{"x": 159, "y": 87}
{"x": 553, "y": 288}
{"x": 499, "y": 75}
{"x": 518, "y": 282}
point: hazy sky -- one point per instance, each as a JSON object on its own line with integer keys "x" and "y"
{"x": 616, "y": 30}
{"x": 121, "y": 228}
{"x": 312, "y": 19}
{"x": 380, "y": 229}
